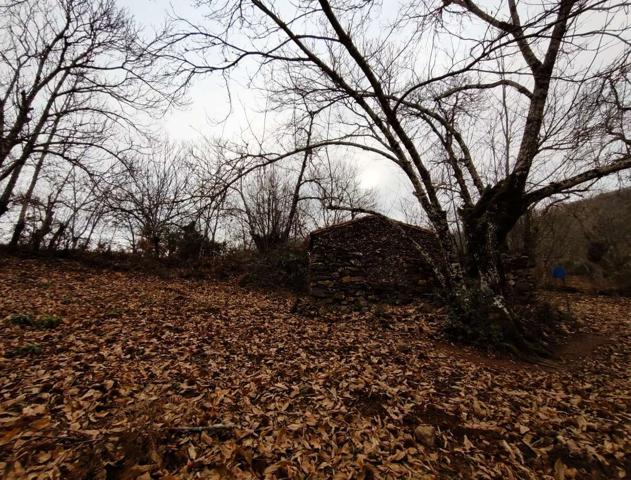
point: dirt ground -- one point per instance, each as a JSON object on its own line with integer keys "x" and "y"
{"x": 152, "y": 378}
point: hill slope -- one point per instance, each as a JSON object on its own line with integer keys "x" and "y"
{"x": 146, "y": 378}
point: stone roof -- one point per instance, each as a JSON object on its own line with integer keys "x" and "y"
{"x": 369, "y": 218}
{"x": 370, "y": 256}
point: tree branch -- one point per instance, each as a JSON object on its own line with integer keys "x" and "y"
{"x": 593, "y": 174}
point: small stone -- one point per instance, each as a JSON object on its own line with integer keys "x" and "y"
{"x": 425, "y": 434}
{"x": 318, "y": 292}
{"x": 352, "y": 279}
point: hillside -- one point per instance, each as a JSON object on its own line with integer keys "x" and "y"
{"x": 146, "y": 378}
{"x": 591, "y": 238}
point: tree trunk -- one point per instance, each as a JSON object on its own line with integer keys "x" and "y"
{"x": 483, "y": 302}
{"x": 21, "y": 223}
{"x": 17, "y": 233}
{"x": 40, "y": 233}
{"x": 54, "y": 242}
{"x": 156, "y": 246}
{"x": 8, "y": 189}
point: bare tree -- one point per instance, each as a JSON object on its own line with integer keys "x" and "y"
{"x": 270, "y": 206}
{"x": 44, "y": 210}
{"x": 334, "y": 183}
{"x": 151, "y": 195}
{"x": 71, "y": 73}
{"x": 84, "y": 210}
{"x": 271, "y": 200}
{"x": 278, "y": 203}
{"x": 415, "y": 89}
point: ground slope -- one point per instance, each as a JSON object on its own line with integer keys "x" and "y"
{"x": 149, "y": 378}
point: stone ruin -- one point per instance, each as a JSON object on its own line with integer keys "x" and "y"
{"x": 369, "y": 259}
{"x": 376, "y": 259}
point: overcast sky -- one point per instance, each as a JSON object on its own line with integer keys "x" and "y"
{"x": 209, "y": 112}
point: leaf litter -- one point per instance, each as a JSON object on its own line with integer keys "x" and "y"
{"x": 175, "y": 379}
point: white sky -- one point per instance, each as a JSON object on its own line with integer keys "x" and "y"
{"x": 209, "y": 106}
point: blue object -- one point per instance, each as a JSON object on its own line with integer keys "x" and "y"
{"x": 559, "y": 272}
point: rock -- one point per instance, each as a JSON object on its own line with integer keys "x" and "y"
{"x": 318, "y": 292}
{"x": 362, "y": 302}
{"x": 352, "y": 279}
{"x": 425, "y": 434}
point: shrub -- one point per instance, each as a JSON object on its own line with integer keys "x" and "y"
{"x": 539, "y": 325}
{"x": 26, "y": 320}
{"x": 48, "y": 321}
{"x": 25, "y": 350}
{"x": 114, "y": 313}
{"x": 474, "y": 326}
{"x": 21, "y": 319}
{"x": 285, "y": 268}
{"x": 575, "y": 267}
{"x": 596, "y": 251}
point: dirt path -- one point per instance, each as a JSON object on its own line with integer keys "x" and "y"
{"x": 128, "y": 385}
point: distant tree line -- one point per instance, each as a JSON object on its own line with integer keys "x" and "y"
{"x": 78, "y": 172}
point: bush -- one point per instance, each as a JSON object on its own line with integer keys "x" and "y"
{"x": 25, "y": 350}
{"x": 48, "y": 321}
{"x": 622, "y": 280}
{"x": 21, "y": 319}
{"x": 26, "y": 320}
{"x": 539, "y": 326}
{"x": 474, "y": 326}
{"x": 596, "y": 251}
{"x": 575, "y": 267}
{"x": 232, "y": 264}
{"x": 285, "y": 268}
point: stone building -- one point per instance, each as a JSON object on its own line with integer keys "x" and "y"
{"x": 370, "y": 258}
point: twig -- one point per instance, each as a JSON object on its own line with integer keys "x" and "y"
{"x": 204, "y": 428}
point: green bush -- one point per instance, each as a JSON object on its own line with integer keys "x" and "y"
{"x": 21, "y": 319}
{"x": 48, "y": 321}
{"x": 26, "y": 350}
{"x": 26, "y": 320}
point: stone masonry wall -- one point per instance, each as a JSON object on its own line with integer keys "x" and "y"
{"x": 369, "y": 259}
{"x": 372, "y": 259}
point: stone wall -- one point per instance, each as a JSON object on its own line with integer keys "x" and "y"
{"x": 520, "y": 276}
{"x": 368, "y": 259}
{"x": 375, "y": 259}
